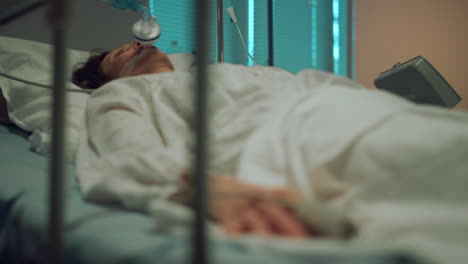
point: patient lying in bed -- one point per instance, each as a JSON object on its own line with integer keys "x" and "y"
{"x": 393, "y": 169}
{"x": 258, "y": 215}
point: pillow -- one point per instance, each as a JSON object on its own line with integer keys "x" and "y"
{"x": 182, "y": 61}
{"x": 29, "y": 106}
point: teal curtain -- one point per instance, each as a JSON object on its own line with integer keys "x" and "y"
{"x": 307, "y": 33}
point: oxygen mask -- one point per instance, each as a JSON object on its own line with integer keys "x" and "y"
{"x": 146, "y": 31}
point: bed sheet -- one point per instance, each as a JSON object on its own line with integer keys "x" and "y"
{"x": 97, "y": 234}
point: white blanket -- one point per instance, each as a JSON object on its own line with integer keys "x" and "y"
{"x": 396, "y": 170}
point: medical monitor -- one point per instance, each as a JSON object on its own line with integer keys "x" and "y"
{"x": 418, "y": 81}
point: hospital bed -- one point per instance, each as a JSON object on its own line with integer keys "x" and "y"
{"x": 97, "y": 233}
{"x": 93, "y": 233}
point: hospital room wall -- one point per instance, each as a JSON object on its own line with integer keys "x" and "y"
{"x": 92, "y": 25}
{"x": 387, "y": 32}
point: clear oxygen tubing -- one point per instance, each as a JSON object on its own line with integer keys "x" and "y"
{"x": 232, "y": 14}
{"x": 40, "y": 85}
{"x": 243, "y": 44}
{"x": 146, "y": 30}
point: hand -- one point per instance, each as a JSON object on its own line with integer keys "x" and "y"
{"x": 242, "y": 208}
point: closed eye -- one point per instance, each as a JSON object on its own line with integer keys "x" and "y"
{"x": 119, "y": 52}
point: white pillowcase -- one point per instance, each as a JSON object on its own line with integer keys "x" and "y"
{"x": 182, "y": 61}
{"x": 29, "y": 107}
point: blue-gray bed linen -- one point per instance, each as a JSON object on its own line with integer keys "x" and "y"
{"x": 98, "y": 234}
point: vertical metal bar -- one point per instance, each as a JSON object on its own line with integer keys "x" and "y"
{"x": 58, "y": 15}
{"x": 350, "y": 39}
{"x": 220, "y": 26}
{"x": 271, "y": 38}
{"x": 200, "y": 243}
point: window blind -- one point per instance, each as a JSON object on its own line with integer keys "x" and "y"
{"x": 307, "y": 33}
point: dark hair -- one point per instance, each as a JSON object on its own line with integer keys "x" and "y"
{"x": 87, "y": 75}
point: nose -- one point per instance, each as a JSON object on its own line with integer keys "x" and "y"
{"x": 136, "y": 45}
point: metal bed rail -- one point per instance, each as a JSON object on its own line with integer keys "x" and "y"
{"x": 220, "y": 27}
{"x": 58, "y": 18}
{"x": 200, "y": 245}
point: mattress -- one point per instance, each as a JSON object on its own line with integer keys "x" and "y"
{"x": 101, "y": 234}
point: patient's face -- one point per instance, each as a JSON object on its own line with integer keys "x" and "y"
{"x": 133, "y": 59}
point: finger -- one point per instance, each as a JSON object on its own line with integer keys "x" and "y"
{"x": 227, "y": 208}
{"x": 186, "y": 177}
{"x": 283, "y": 221}
{"x": 255, "y": 222}
{"x": 226, "y": 213}
{"x": 286, "y": 194}
{"x": 233, "y": 227}
{"x": 223, "y": 185}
